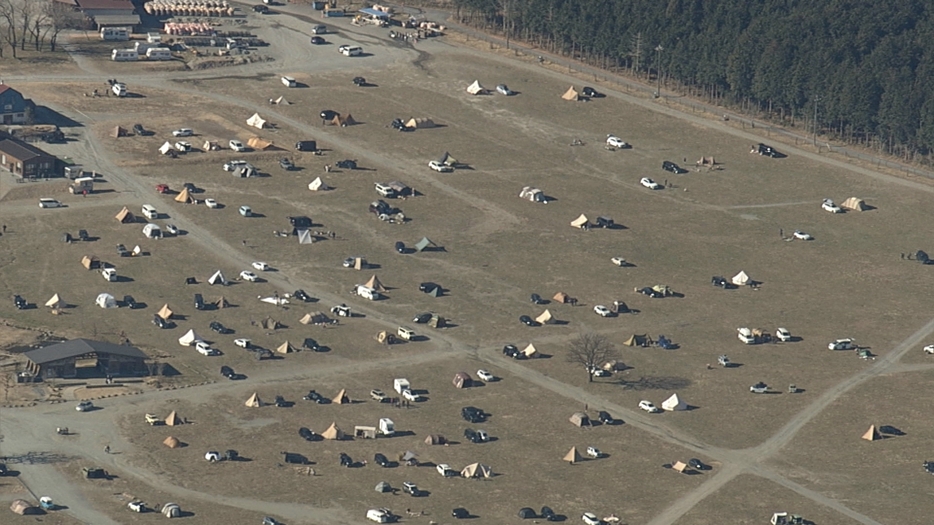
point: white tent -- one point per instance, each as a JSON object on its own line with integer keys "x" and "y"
{"x": 165, "y": 148}
{"x": 580, "y": 222}
{"x": 318, "y": 185}
{"x": 256, "y": 121}
{"x": 278, "y": 301}
{"x": 476, "y": 88}
{"x": 55, "y": 302}
{"x": 105, "y": 300}
{"x": 152, "y": 231}
{"x": 281, "y": 101}
{"x": 741, "y": 279}
{"x": 674, "y": 403}
{"x": 189, "y": 338}
{"x": 217, "y": 278}
{"x": 305, "y": 237}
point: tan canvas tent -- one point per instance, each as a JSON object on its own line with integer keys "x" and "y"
{"x": 256, "y": 121}
{"x": 573, "y": 456}
{"x": 165, "y": 312}
{"x": 461, "y": 380}
{"x": 55, "y": 302}
{"x": 184, "y": 197}
{"x": 579, "y": 419}
{"x": 333, "y": 432}
{"x": 476, "y": 470}
{"x": 420, "y": 123}
{"x": 259, "y": 144}
{"x": 341, "y": 398}
{"x": 286, "y": 348}
{"x": 360, "y": 263}
{"x": 637, "y": 340}
{"x": 679, "y": 466}
{"x": 254, "y": 401}
{"x": 740, "y": 279}
{"x": 476, "y": 88}
{"x": 674, "y": 403}
{"x": 173, "y": 419}
{"x": 571, "y": 94}
{"x": 210, "y": 145}
{"x": 271, "y": 324}
{"x": 384, "y": 337}
{"x": 306, "y": 319}
{"x": 221, "y": 302}
{"x": 580, "y": 222}
{"x": 165, "y": 148}
{"x": 21, "y": 507}
{"x": 375, "y": 284}
{"x": 125, "y": 216}
{"x": 281, "y": 101}
{"x": 854, "y": 204}
{"x": 872, "y": 434}
{"x": 560, "y": 298}
{"x": 546, "y": 318}
{"x": 342, "y": 121}
{"x": 314, "y": 318}
{"x": 118, "y": 132}
{"x": 435, "y": 439}
{"x": 171, "y": 442}
{"x": 90, "y": 262}
{"x": 530, "y": 351}
{"x": 318, "y": 185}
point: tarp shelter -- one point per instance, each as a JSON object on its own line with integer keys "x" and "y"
{"x": 286, "y": 348}
{"x": 165, "y": 148}
{"x": 172, "y": 419}
{"x": 318, "y": 185}
{"x": 740, "y": 279}
{"x": 532, "y": 194}
{"x": 364, "y": 432}
{"x": 461, "y": 380}
{"x": 210, "y": 145}
{"x": 674, "y": 403}
{"x": 476, "y": 88}
{"x": 437, "y": 321}
{"x": 580, "y": 222}
{"x": 446, "y": 160}
{"x": 546, "y": 318}
{"x": 382, "y": 486}
{"x": 259, "y": 144}
{"x": 152, "y": 231}
{"x": 435, "y": 439}
{"x": 190, "y": 338}
{"x": 55, "y": 302}
{"x": 579, "y": 419}
{"x": 254, "y": 401}
{"x": 854, "y": 204}
{"x": 171, "y": 510}
{"x": 872, "y": 434}
{"x": 105, "y": 300}
{"x": 343, "y": 121}
{"x": 21, "y": 507}
{"x": 171, "y": 442}
{"x": 118, "y": 132}
{"x": 125, "y": 216}
{"x": 573, "y": 456}
{"x": 530, "y": 351}
{"x": 679, "y": 466}
{"x": 305, "y": 236}
{"x": 560, "y": 298}
{"x": 221, "y": 302}
{"x": 571, "y": 94}
{"x": 420, "y": 123}
{"x": 424, "y": 244}
{"x": 375, "y": 284}
{"x": 256, "y": 121}
{"x": 271, "y": 324}
{"x": 341, "y": 398}
{"x": 638, "y": 340}
{"x": 165, "y": 312}
{"x": 476, "y": 470}
{"x": 333, "y": 432}
{"x": 281, "y": 101}
{"x": 217, "y": 278}
{"x": 90, "y": 262}
{"x": 184, "y": 197}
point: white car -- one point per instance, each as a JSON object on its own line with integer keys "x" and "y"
{"x": 599, "y": 372}
{"x": 242, "y": 343}
{"x": 440, "y": 168}
{"x": 236, "y": 145}
{"x": 591, "y": 519}
{"x": 234, "y": 165}
{"x": 503, "y": 90}
{"x": 172, "y": 229}
{"x": 648, "y": 406}
{"x": 411, "y": 396}
{"x": 783, "y": 335}
{"x": 650, "y": 184}
{"x": 261, "y": 266}
{"x": 759, "y": 388}
{"x": 183, "y": 146}
{"x": 929, "y": 349}
{"x": 84, "y": 406}
{"x": 618, "y": 261}
{"x": 445, "y": 470}
{"x": 486, "y": 376}
{"x": 803, "y": 236}
{"x": 247, "y": 275}
{"x": 210, "y": 203}
{"x": 828, "y": 205}
{"x": 616, "y": 142}
{"x": 594, "y": 452}
{"x": 183, "y": 132}
{"x": 136, "y": 506}
{"x": 602, "y": 311}
{"x": 204, "y": 348}
{"x": 379, "y": 515}
{"x": 47, "y": 202}
{"x": 842, "y": 344}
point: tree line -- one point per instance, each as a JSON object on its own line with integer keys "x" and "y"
{"x": 864, "y": 69}
{"x": 35, "y": 24}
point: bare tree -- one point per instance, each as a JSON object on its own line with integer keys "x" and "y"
{"x": 60, "y": 17}
{"x": 39, "y": 26}
{"x": 25, "y": 22}
{"x": 591, "y": 351}
{"x": 8, "y": 12}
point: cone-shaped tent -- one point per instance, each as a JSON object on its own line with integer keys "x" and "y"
{"x": 172, "y": 419}
{"x": 221, "y": 302}
{"x": 560, "y": 298}
{"x": 271, "y": 324}
{"x": 341, "y": 397}
{"x": 382, "y": 486}
{"x": 165, "y": 312}
{"x": 476, "y": 470}
{"x": 165, "y": 148}
{"x": 254, "y": 401}
{"x": 189, "y": 338}
{"x": 571, "y": 94}
{"x": 424, "y": 243}
{"x": 171, "y": 442}
{"x": 476, "y": 88}
{"x": 435, "y": 439}
{"x": 286, "y": 348}
{"x": 579, "y": 419}
{"x": 740, "y": 279}
{"x": 217, "y": 278}
{"x": 333, "y": 432}
{"x": 318, "y": 185}
{"x": 674, "y": 403}
{"x": 125, "y": 216}
{"x": 282, "y": 101}
{"x": 637, "y": 340}
{"x": 872, "y": 434}
{"x": 184, "y": 197}
{"x": 530, "y": 351}
{"x": 546, "y": 318}
{"x": 573, "y": 456}
{"x": 55, "y": 302}
{"x": 90, "y": 262}
{"x": 580, "y": 222}
{"x": 118, "y": 132}
{"x": 375, "y": 284}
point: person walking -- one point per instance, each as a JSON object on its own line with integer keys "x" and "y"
{"x": 106, "y": 449}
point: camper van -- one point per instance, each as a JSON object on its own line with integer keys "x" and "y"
{"x": 401, "y": 384}
{"x": 159, "y": 53}
{"x": 124, "y": 55}
{"x": 352, "y": 51}
{"x": 82, "y": 185}
{"x": 368, "y": 293}
{"x": 115, "y": 33}
{"x": 150, "y": 212}
{"x": 119, "y": 89}
{"x": 386, "y": 426}
{"x": 288, "y": 81}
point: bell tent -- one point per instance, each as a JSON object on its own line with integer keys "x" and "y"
{"x": 341, "y": 398}
{"x": 165, "y": 312}
{"x": 740, "y": 279}
{"x": 55, "y": 302}
{"x": 184, "y": 197}
{"x": 872, "y": 434}
{"x": 571, "y": 94}
{"x": 318, "y": 185}
{"x": 172, "y": 419}
{"x": 476, "y": 88}
{"x": 674, "y": 403}
{"x": 286, "y": 348}
{"x": 189, "y": 338}
{"x": 254, "y": 401}
{"x": 573, "y": 456}
{"x": 217, "y": 278}
{"x": 375, "y": 284}
{"x": 256, "y": 121}
{"x": 105, "y": 300}
{"x": 333, "y": 432}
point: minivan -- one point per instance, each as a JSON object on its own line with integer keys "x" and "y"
{"x": 385, "y": 190}
{"x": 319, "y": 30}
{"x": 150, "y": 212}
{"x": 352, "y": 51}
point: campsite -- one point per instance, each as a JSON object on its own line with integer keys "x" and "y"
{"x": 491, "y": 251}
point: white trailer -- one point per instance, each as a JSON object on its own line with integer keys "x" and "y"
{"x": 124, "y": 55}
{"x": 401, "y": 384}
{"x": 115, "y": 33}
{"x": 386, "y": 426}
{"x": 159, "y": 53}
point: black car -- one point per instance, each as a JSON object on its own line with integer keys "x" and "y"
{"x": 667, "y": 165}
{"x": 697, "y": 464}
{"x": 513, "y": 352}
{"x": 537, "y": 299}
{"x": 199, "y": 302}
{"x": 381, "y": 460}
{"x": 397, "y": 124}
{"x": 280, "y": 402}
{"x": 160, "y": 322}
{"x": 422, "y": 318}
{"x": 317, "y": 40}
{"x": 191, "y": 187}
{"x": 347, "y": 164}
{"x": 719, "y": 281}
{"x": 306, "y": 145}
{"x": 219, "y": 328}
{"x": 260, "y": 9}
{"x": 307, "y": 434}
{"x": 301, "y": 295}
{"x": 400, "y": 246}
{"x": 300, "y": 221}
{"x": 591, "y": 92}
{"x": 311, "y": 344}
{"x": 460, "y": 513}
{"x": 605, "y": 417}
{"x": 929, "y": 467}
{"x": 138, "y": 129}
{"x": 548, "y": 515}
{"x": 346, "y": 461}
{"x": 527, "y": 321}
{"x": 269, "y": 520}
{"x": 129, "y": 302}
{"x": 227, "y": 372}
{"x": 3, "y": 470}
{"x": 380, "y": 207}
{"x": 427, "y": 287}
{"x": 83, "y": 235}
{"x": 329, "y": 114}
{"x": 472, "y": 436}
{"x": 650, "y": 292}
{"x": 316, "y": 397}
{"x": 767, "y": 151}
{"x": 473, "y": 414}
{"x": 359, "y": 81}
{"x": 286, "y": 164}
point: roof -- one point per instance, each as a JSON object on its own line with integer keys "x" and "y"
{"x": 374, "y": 12}
{"x": 4, "y": 87}
{"x": 20, "y": 150}
{"x": 106, "y": 4}
{"x": 117, "y": 20}
{"x": 77, "y": 347}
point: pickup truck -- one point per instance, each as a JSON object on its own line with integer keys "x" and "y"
{"x": 153, "y": 419}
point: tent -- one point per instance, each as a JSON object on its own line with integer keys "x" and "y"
{"x": 384, "y": 337}
{"x": 571, "y": 94}
{"x": 546, "y": 318}
{"x": 446, "y": 160}
{"x": 55, "y": 302}
{"x": 409, "y": 457}
{"x": 462, "y": 380}
{"x": 286, "y": 348}
{"x": 125, "y": 216}
{"x": 210, "y": 145}
{"x": 740, "y": 279}
{"x": 613, "y": 366}
{"x": 105, "y": 300}
{"x": 674, "y": 403}
{"x": 872, "y": 434}
{"x": 90, "y": 262}
{"x": 526, "y": 513}
{"x": 343, "y": 122}
{"x": 256, "y": 121}
{"x": 530, "y": 351}
{"x": 420, "y": 123}
{"x": 581, "y": 222}
{"x": 333, "y": 432}
{"x": 318, "y": 185}
{"x": 172, "y": 442}
{"x": 171, "y": 510}
{"x": 573, "y": 456}
{"x": 165, "y": 312}
{"x": 217, "y": 278}
{"x": 560, "y": 298}
{"x": 476, "y": 470}
{"x": 184, "y": 197}
{"x": 259, "y": 144}
{"x": 476, "y": 88}
{"x": 382, "y": 486}
{"x": 271, "y": 324}
{"x": 152, "y": 231}
{"x": 221, "y": 302}
{"x": 638, "y": 340}
{"x": 341, "y": 398}
{"x": 437, "y": 321}
{"x": 854, "y": 204}
{"x": 118, "y": 132}
{"x": 254, "y": 401}
{"x": 579, "y": 419}
{"x": 165, "y": 148}
{"x": 314, "y": 318}
{"x": 532, "y": 194}
{"x": 360, "y": 263}
{"x": 423, "y": 244}
{"x": 190, "y": 338}
{"x": 679, "y": 466}
{"x": 305, "y": 236}
{"x": 663, "y": 289}
{"x": 435, "y": 439}
{"x": 21, "y": 507}
{"x": 435, "y": 292}
{"x": 281, "y": 101}
{"x": 375, "y": 284}
{"x": 172, "y": 419}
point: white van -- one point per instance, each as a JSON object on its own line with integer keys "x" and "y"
{"x": 119, "y": 89}
{"x": 368, "y": 293}
{"x": 379, "y": 516}
{"x": 288, "y": 81}
{"x": 385, "y": 190}
{"x": 149, "y": 212}
{"x": 352, "y": 51}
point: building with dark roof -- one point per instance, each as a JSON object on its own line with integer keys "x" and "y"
{"x": 27, "y": 161}
{"x": 13, "y": 105}
{"x": 110, "y": 13}
{"x": 81, "y": 358}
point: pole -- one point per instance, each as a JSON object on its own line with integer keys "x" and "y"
{"x": 658, "y": 70}
{"x": 816, "y": 100}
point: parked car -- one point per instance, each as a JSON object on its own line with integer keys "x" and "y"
{"x": 547, "y": 514}
{"x": 783, "y": 335}
{"x": 236, "y": 145}
{"x": 929, "y": 349}
{"x": 242, "y": 342}
{"x": 247, "y": 275}
{"x": 802, "y": 236}
{"x": 160, "y": 322}
{"x": 301, "y": 296}
{"x": 421, "y": 318}
{"x": 697, "y": 464}
{"x": 227, "y": 372}
{"x": 604, "y": 417}
{"x": 602, "y": 311}
{"x": 347, "y": 164}
{"x": 261, "y": 266}
{"x": 513, "y": 352}
{"x": 381, "y": 460}
{"x": 667, "y": 165}
{"x": 317, "y": 40}
{"x": 594, "y": 452}
{"x": 328, "y": 114}
{"x": 759, "y": 388}
{"x": 130, "y": 302}
{"x": 85, "y": 406}
{"x": 138, "y": 129}
{"x": 219, "y": 328}
{"x": 445, "y": 470}
{"x": 427, "y": 287}
{"x": 171, "y": 229}
{"x": 767, "y": 151}
{"x": 411, "y": 488}
{"x": 319, "y": 29}
{"x": 485, "y": 376}
{"x": 378, "y": 395}
{"x": 828, "y": 205}
{"x": 47, "y": 202}
{"x": 591, "y": 92}
{"x": 316, "y": 397}
{"x": 591, "y": 519}
{"x": 527, "y": 321}
{"x": 19, "y": 302}
{"x": 409, "y": 395}
{"x": 205, "y": 349}
{"x": 210, "y": 203}
{"x": 400, "y": 247}
{"x": 341, "y": 310}
{"x": 246, "y": 211}
{"x": 439, "y": 167}
{"x": 183, "y": 132}
{"x": 650, "y": 184}
{"x": 842, "y": 344}
{"x": 359, "y": 81}
{"x": 233, "y": 165}
{"x": 460, "y": 513}
{"x": 503, "y": 90}
{"x": 616, "y": 142}
{"x": 473, "y": 414}
{"x": 286, "y": 164}
{"x": 648, "y": 406}
{"x": 471, "y": 435}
